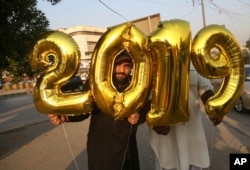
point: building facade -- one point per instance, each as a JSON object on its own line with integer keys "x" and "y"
{"x": 86, "y": 38}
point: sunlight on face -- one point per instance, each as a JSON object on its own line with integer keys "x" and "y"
{"x": 122, "y": 71}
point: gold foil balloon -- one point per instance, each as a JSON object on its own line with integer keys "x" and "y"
{"x": 108, "y": 99}
{"x": 170, "y": 47}
{"x": 228, "y": 65}
{"x": 58, "y": 56}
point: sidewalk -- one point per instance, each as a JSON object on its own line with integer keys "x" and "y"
{"x": 6, "y": 93}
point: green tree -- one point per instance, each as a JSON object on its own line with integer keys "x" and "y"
{"x": 20, "y": 24}
{"x": 54, "y": 2}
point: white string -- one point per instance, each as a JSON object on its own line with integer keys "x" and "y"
{"x": 113, "y": 10}
{"x": 124, "y": 157}
{"x": 70, "y": 149}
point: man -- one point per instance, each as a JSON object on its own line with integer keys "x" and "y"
{"x": 184, "y": 146}
{"x": 111, "y": 143}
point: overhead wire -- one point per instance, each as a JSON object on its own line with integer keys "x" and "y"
{"x": 231, "y": 15}
{"x": 225, "y": 10}
{"x": 113, "y": 10}
{"x": 244, "y": 3}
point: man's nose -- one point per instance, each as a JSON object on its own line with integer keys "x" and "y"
{"x": 120, "y": 69}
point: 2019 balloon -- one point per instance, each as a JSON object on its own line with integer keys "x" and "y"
{"x": 108, "y": 99}
{"x": 161, "y": 66}
{"x": 170, "y": 47}
{"x": 228, "y": 65}
{"x": 58, "y": 56}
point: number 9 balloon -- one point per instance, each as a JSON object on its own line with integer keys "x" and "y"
{"x": 58, "y": 56}
{"x": 228, "y": 65}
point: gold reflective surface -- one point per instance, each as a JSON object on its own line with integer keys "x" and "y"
{"x": 120, "y": 105}
{"x": 58, "y": 56}
{"x": 170, "y": 47}
{"x": 228, "y": 65}
{"x": 160, "y": 66}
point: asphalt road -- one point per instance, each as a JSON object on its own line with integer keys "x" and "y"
{"x": 34, "y": 143}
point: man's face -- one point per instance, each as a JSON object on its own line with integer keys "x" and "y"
{"x": 122, "y": 70}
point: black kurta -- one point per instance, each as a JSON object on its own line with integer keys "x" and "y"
{"x": 112, "y": 143}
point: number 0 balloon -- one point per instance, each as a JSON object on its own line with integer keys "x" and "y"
{"x": 120, "y": 105}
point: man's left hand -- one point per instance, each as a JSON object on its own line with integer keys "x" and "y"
{"x": 162, "y": 130}
{"x": 216, "y": 121}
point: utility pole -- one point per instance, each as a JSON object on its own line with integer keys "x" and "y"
{"x": 203, "y": 13}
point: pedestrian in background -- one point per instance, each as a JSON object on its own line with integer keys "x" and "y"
{"x": 184, "y": 146}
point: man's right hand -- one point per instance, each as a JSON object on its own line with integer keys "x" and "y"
{"x": 57, "y": 119}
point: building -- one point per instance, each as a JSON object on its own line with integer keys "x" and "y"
{"x": 86, "y": 37}
{"x": 146, "y": 24}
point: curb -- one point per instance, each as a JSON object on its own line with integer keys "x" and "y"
{"x": 15, "y": 93}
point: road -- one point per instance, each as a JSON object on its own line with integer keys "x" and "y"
{"x": 18, "y": 111}
{"x": 27, "y": 138}
{"x": 231, "y": 136}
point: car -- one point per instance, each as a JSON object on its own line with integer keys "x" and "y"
{"x": 74, "y": 84}
{"x": 244, "y": 101}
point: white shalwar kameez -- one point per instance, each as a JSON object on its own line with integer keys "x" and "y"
{"x": 185, "y": 144}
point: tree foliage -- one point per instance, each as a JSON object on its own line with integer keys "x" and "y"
{"x": 54, "y": 2}
{"x": 20, "y": 24}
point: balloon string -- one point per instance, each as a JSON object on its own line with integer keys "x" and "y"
{"x": 126, "y": 146}
{"x": 113, "y": 10}
{"x": 70, "y": 149}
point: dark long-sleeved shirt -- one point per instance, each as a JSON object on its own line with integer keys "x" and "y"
{"x": 111, "y": 143}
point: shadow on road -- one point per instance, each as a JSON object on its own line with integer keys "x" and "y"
{"x": 12, "y": 140}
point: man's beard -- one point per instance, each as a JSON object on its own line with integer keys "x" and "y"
{"x": 121, "y": 80}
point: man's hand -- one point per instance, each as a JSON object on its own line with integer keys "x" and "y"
{"x": 133, "y": 119}
{"x": 57, "y": 119}
{"x": 216, "y": 121}
{"x": 162, "y": 130}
